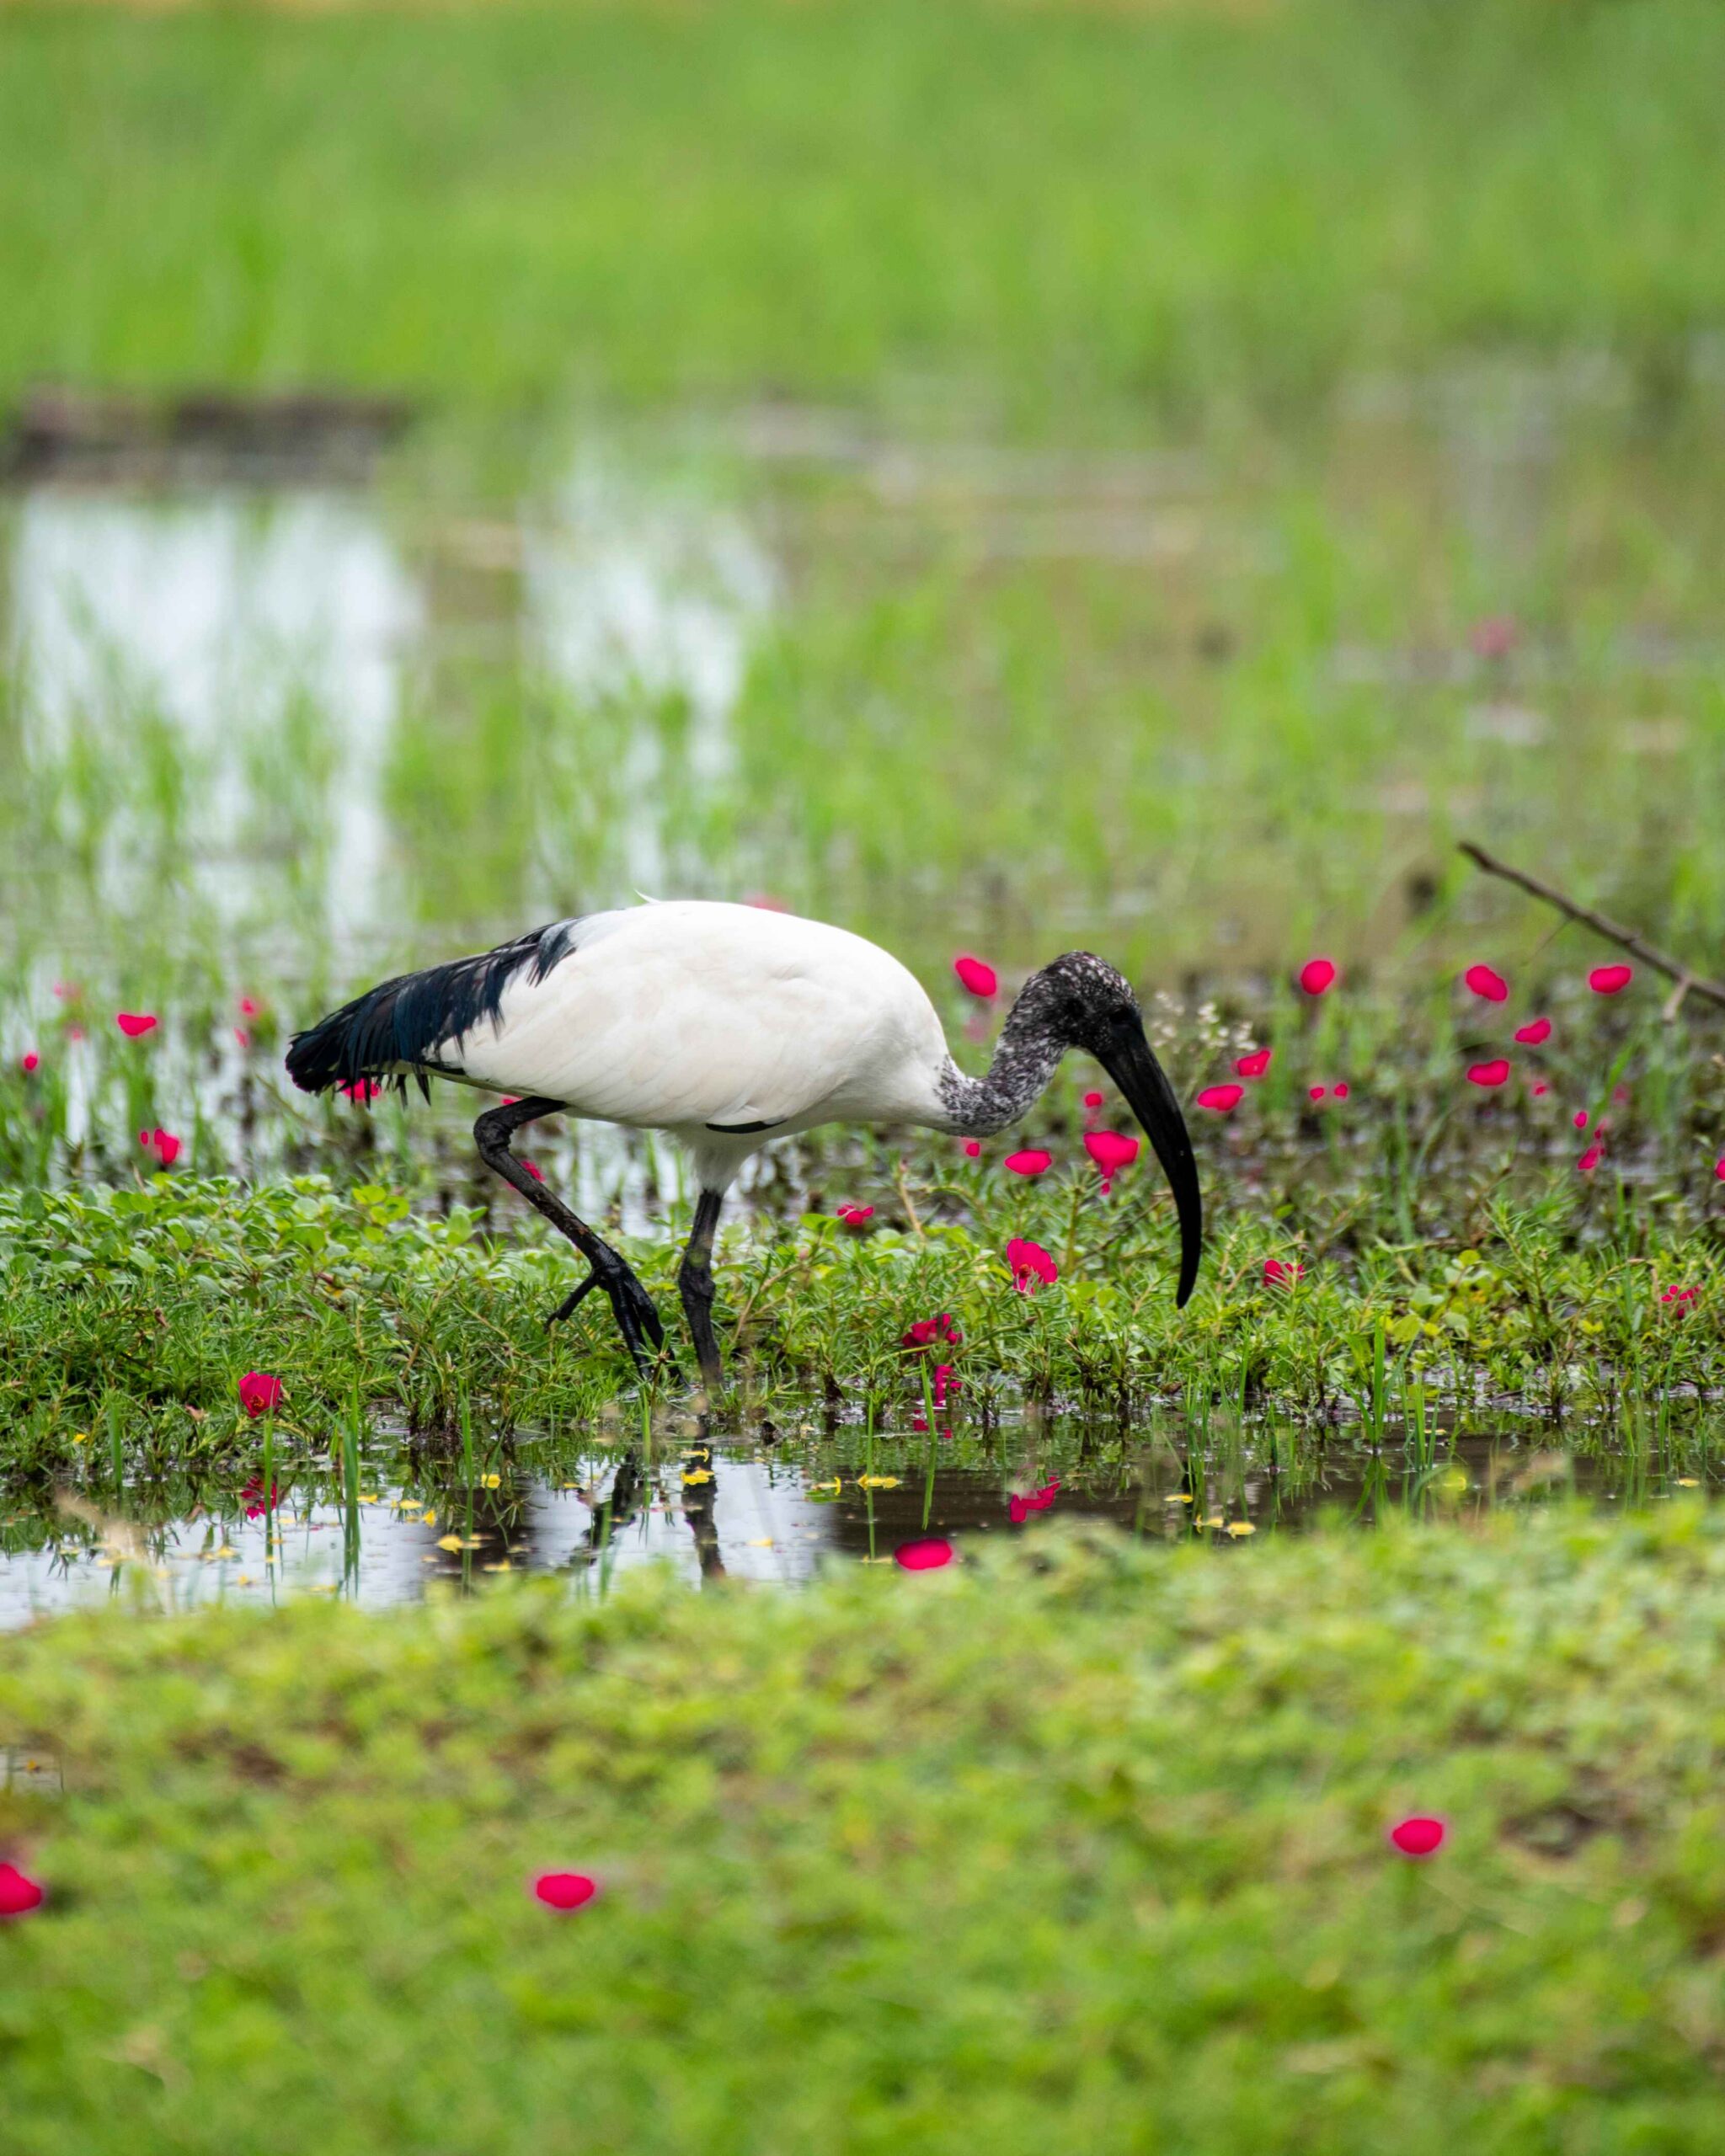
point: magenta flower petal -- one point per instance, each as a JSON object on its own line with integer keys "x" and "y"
{"x": 31, "y": 1059}
{"x": 19, "y": 1893}
{"x": 1282, "y": 1272}
{"x": 1579, "y": 1118}
{"x": 853, "y": 1216}
{"x": 979, "y": 979}
{"x": 167, "y": 1145}
{"x": 1030, "y": 1263}
{"x": 1484, "y": 981}
{"x": 132, "y": 1024}
{"x": 1223, "y": 1099}
{"x": 973, "y": 1149}
{"x": 1419, "y": 1836}
{"x": 1093, "y": 1100}
{"x": 1495, "y": 1073}
{"x": 927, "y": 1555}
{"x": 1534, "y": 1032}
{"x": 1341, "y": 1091}
{"x": 1609, "y": 980}
{"x": 1315, "y": 1092}
{"x": 1255, "y": 1064}
{"x": 565, "y": 1890}
{"x": 1113, "y": 1150}
{"x": 1317, "y": 975}
{"x": 259, "y": 1394}
{"x": 1031, "y": 1161}
{"x": 1591, "y": 1159}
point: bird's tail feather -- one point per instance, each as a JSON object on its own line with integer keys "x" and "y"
{"x": 416, "y": 1021}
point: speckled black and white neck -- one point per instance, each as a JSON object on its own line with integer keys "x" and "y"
{"x": 1074, "y": 1002}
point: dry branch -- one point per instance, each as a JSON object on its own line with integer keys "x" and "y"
{"x": 1625, "y": 939}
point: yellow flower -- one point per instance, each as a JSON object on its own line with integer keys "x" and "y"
{"x": 449, "y": 1542}
{"x": 1215, "y": 1519}
{"x": 80, "y": 1437}
{"x": 697, "y": 1475}
{"x": 836, "y": 1483}
{"x": 1241, "y": 1527}
{"x": 430, "y": 1520}
{"x": 492, "y": 1481}
{"x": 1178, "y": 1497}
{"x": 879, "y": 1482}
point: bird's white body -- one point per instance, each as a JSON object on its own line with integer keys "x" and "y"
{"x": 678, "y": 1016}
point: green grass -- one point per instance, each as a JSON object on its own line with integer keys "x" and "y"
{"x": 1040, "y": 207}
{"x": 1085, "y": 1852}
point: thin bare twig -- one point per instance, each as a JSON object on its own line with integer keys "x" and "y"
{"x": 1626, "y": 939}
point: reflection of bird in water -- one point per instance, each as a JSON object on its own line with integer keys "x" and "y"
{"x": 727, "y": 1027}
{"x": 700, "y": 1505}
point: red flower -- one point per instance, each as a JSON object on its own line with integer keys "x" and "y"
{"x": 944, "y": 1382}
{"x": 31, "y": 1059}
{"x": 1340, "y": 1092}
{"x": 248, "y": 1008}
{"x": 167, "y": 1145}
{"x": 132, "y": 1024}
{"x": 926, "y": 1556}
{"x": 1540, "y": 1089}
{"x": 1682, "y": 1296}
{"x": 1030, "y": 1263}
{"x": 1495, "y": 1073}
{"x": 1223, "y": 1099}
{"x": 18, "y": 1893}
{"x": 1315, "y": 1092}
{"x": 927, "y": 1331}
{"x": 253, "y": 1498}
{"x": 1317, "y": 975}
{"x": 565, "y": 1890}
{"x": 1019, "y": 1509}
{"x": 1591, "y": 1159}
{"x": 259, "y": 1394}
{"x": 1031, "y": 1161}
{"x": 973, "y": 1149}
{"x": 978, "y": 978}
{"x": 1418, "y": 1836}
{"x": 1111, "y": 1149}
{"x": 1719, "y": 1169}
{"x": 1255, "y": 1064}
{"x": 1607, "y": 981}
{"x": 853, "y": 1216}
{"x": 1579, "y": 1118}
{"x": 1282, "y": 1272}
{"x": 1534, "y": 1032}
{"x": 1093, "y": 1100}
{"x": 1484, "y": 981}
{"x": 363, "y": 1091}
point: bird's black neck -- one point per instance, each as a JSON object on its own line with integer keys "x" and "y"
{"x": 1027, "y": 1058}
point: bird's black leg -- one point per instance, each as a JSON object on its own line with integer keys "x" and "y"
{"x": 637, "y": 1319}
{"x": 694, "y": 1285}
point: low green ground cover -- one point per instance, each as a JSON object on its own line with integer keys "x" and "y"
{"x": 1084, "y": 1847}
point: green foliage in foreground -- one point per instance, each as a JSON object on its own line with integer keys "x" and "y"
{"x": 139, "y": 1309}
{"x": 1052, "y": 203}
{"x": 1081, "y": 1851}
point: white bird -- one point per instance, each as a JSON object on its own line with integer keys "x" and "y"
{"x": 727, "y": 1026}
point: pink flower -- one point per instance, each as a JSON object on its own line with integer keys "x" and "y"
{"x": 259, "y": 1394}
{"x": 1030, "y": 1263}
{"x": 853, "y": 1216}
{"x": 132, "y": 1024}
{"x": 533, "y": 1168}
{"x": 927, "y": 1331}
{"x": 1418, "y": 1836}
{"x": 1495, "y": 1073}
{"x": 1540, "y": 1089}
{"x": 565, "y": 1890}
{"x": 978, "y": 978}
{"x": 248, "y": 1008}
{"x": 926, "y": 1556}
{"x": 1579, "y": 1118}
{"x": 241, "y": 1036}
{"x": 942, "y": 1382}
{"x": 1719, "y": 1169}
{"x": 1607, "y": 981}
{"x": 1282, "y": 1272}
{"x": 1093, "y": 1100}
{"x": 1113, "y": 1150}
{"x": 167, "y": 1146}
{"x": 364, "y": 1090}
{"x": 1255, "y": 1064}
{"x": 973, "y": 1149}
{"x": 253, "y": 1498}
{"x": 1019, "y": 1508}
{"x": 1534, "y": 1032}
{"x": 1591, "y": 1159}
{"x": 1031, "y": 1161}
{"x": 1223, "y": 1099}
{"x": 30, "y": 1061}
{"x": 19, "y": 1893}
{"x": 1315, "y": 1092}
{"x": 1681, "y": 1296}
{"x": 1484, "y": 981}
{"x": 1317, "y": 975}
{"x": 1340, "y": 1092}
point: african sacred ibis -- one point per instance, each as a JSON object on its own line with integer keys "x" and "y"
{"x": 727, "y": 1026}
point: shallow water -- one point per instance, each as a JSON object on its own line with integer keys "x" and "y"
{"x": 779, "y": 1513}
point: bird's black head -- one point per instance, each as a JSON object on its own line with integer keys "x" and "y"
{"x": 1084, "y": 1003}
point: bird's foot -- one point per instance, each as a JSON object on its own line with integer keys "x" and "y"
{"x": 637, "y": 1319}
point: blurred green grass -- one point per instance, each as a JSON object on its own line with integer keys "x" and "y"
{"x": 1082, "y": 1849}
{"x": 1046, "y": 211}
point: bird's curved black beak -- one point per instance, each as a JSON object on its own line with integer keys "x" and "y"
{"x": 1125, "y": 1054}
